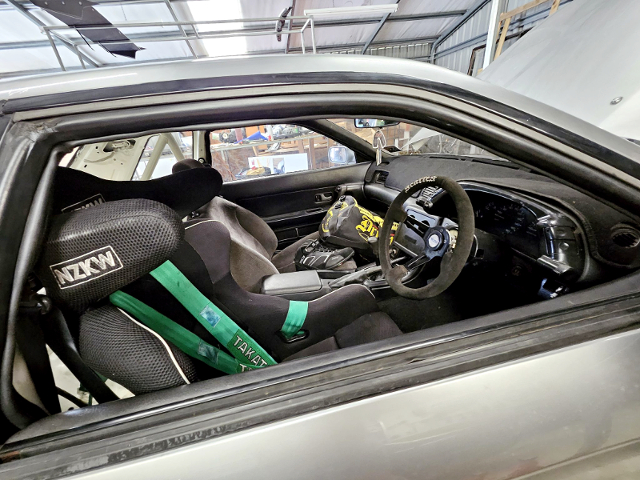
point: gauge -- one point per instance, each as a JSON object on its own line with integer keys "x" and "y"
{"x": 503, "y": 218}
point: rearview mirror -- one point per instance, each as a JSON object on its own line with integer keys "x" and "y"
{"x": 373, "y": 123}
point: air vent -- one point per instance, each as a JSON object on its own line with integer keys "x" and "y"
{"x": 626, "y": 237}
{"x": 380, "y": 176}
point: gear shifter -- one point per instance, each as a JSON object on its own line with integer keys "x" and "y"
{"x": 373, "y": 242}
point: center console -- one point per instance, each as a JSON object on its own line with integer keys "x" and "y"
{"x": 303, "y": 285}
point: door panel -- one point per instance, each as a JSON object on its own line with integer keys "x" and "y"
{"x": 293, "y": 205}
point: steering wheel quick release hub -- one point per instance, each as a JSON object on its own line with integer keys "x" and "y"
{"x": 435, "y": 240}
{"x": 439, "y": 242}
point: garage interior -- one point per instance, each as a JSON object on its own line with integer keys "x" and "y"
{"x": 49, "y": 36}
{"x": 554, "y": 88}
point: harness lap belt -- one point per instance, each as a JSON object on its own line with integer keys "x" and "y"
{"x": 248, "y": 354}
{"x": 179, "y": 336}
{"x": 296, "y": 316}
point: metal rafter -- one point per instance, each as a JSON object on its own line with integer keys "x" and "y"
{"x": 318, "y": 23}
{"x": 167, "y": 36}
{"x": 289, "y": 25}
{"x": 260, "y": 27}
{"x": 163, "y": 37}
{"x": 376, "y": 31}
{"x": 471, "y": 11}
{"x": 262, "y": 52}
{"x": 265, "y": 29}
{"x": 349, "y": 46}
{"x": 64, "y": 41}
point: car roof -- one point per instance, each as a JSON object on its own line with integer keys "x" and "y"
{"x": 114, "y": 83}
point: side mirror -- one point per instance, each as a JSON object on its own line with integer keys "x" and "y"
{"x": 339, "y": 155}
{"x": 373, "y": 123}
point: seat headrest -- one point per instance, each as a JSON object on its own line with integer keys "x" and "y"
{"x": 90, "y": 253}
{"x": 185, "y": 191}
{"x": 186, "y": 164}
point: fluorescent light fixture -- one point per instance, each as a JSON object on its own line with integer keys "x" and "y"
{"x": 209, "y": 10}
{"x": 369, "y": 10}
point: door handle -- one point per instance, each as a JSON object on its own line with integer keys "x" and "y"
{"x": 324, "y": 197}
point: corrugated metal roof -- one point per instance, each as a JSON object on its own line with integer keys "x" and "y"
{"x": 25, "y": 47}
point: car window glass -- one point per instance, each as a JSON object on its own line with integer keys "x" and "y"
{"x": 408, "y": 139}
{"x": 141, "y": 158}
{"x": 264, "y": 150}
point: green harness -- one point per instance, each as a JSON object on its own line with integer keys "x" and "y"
{"x": 246, "y": 354}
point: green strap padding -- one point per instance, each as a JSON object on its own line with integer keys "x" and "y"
{"x": 225, "y": 330}
{"x": 295, "y": 318}
{"x": 179, "y": 336}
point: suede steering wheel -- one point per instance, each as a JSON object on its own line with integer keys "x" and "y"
{"x": 453, "y": 250}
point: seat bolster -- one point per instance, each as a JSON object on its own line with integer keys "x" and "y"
{"x": 248, "y": 267}
{"x": 350, "y": 301}
{"x": 329, "y": 313}
{"x": 258, "y": 229}
{"x": 124, "y": 350}
{"x": 368, "y": 328}
{"x": 240, "y": 223}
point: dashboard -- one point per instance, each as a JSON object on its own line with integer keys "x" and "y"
{"x": 531, "y": 229}
{"x": 535, "y": 232}
{"x": 535, "y": 225}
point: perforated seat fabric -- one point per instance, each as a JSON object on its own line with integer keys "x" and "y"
{"x": 124, "y": 350}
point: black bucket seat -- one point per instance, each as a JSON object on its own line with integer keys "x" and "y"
{"x": 107, "y": 237}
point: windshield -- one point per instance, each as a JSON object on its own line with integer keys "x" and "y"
{"x": 408, "y": 139}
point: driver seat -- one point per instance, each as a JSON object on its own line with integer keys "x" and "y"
{"x": 137, "y": 235}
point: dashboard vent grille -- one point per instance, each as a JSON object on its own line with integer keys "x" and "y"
{"x": 626, "y": 237}
{"x": 381, "y": 176}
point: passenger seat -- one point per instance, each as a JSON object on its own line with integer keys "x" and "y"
{"x": 253, "y": 243}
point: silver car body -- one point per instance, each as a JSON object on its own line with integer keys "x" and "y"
{"x": 546, "y": 391}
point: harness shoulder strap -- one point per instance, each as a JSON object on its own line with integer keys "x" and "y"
{"x": 223, "y": 328}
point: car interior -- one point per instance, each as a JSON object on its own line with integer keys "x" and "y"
{"x": 178, "y": 257}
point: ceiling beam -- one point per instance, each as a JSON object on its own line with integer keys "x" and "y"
{"x": 471, "y": 11}
{"x": 349, "y": 46}
{"x": 184, "y": 34}
{"x": 37, "y": 44}
{"x": 318, "y": 23}
{"x": 140, "y": 37}
{"x": 172, "y": 36}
